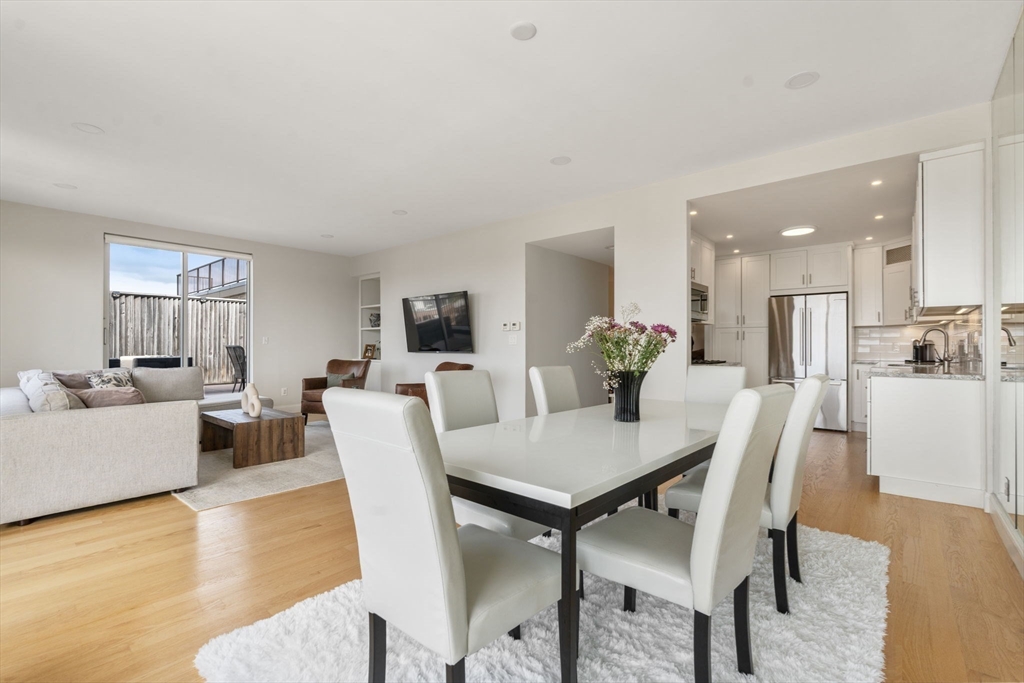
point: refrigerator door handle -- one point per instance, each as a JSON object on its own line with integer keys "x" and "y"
{"x": 810, "y": 337}
{"x": 803, "y": 333}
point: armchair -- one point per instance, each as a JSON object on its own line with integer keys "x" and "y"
{"x": 313, "y": 387}
{"x": 419, "y": 389}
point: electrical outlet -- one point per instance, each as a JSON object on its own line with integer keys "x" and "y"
{"x": 513, "y": 339}
{"x": 504, "y": 327}
{"x": 895, "y": 347}
{"x": 266, "y": 340}
{"x": 284, "y": 391}
{"x": 515, "y": 327}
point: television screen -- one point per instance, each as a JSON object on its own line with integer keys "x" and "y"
{"x": 438, "y": 323}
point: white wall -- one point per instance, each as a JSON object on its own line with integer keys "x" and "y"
{"x": 562, "y": 293}
{"x": 651, "y": 239}
{"x": 51, "y": 298}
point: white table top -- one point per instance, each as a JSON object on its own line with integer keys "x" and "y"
{"x": 569, "y": 458}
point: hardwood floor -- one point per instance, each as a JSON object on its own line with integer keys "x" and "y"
{"x": 131, "y": 591}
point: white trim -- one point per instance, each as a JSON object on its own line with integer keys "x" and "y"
{"x": 953, "y": 151}
{"x": 940, "y": 493}
{"x": 1011, "y": 537}
{"x": 112, "y": 238}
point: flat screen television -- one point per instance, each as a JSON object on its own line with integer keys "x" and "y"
{"x": 438, "y": 323}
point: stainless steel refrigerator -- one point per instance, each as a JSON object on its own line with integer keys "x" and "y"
{"x": 807, "y": 335}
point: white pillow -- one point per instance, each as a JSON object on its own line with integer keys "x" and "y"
{"x": 46, "y": 394}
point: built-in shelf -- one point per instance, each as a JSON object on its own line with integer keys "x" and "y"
{"x": 369, "y": 305}
{"x": 369, "y": 329}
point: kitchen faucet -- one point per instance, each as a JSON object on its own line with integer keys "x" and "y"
{"x": 945, "y": 344}
{"x": 1009, "y": 337}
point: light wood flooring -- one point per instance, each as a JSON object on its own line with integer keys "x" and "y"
{"x": 131, "y": 591}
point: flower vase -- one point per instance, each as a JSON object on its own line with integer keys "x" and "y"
{"x": 627, "y": 396}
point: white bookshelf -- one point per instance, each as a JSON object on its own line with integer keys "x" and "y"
{"x": 369, "y": 307}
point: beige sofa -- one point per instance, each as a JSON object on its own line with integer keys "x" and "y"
{"x": 69, "y": 459}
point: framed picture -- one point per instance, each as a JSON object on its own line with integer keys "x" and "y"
{"x": 369, "y": 351}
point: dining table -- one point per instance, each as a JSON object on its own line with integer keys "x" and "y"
{"x": 566, "y": 469}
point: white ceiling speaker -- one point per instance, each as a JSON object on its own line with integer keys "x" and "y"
{"x": 524, "y": 30}
{"x": 798, "y": 230}
{"x": 65, "y": 186}
{"x": 88, "y": 128}
{"x": 561, "y": 161}
{"x": 327, "y": 237}
{"x": 400, "y": 212}
{"x": 802, "y": 80}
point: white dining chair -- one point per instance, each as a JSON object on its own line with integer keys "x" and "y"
{"x": 698, "y": 566}
{"x": 782, "y": 497}
{"x": 714, "y": 383}
{"x": 554, "y": 389}
{"x": 459, "y": 400}
{"x": 451, "y": 590}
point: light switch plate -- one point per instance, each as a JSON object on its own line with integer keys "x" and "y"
{"x": 515, "y": 327}
{"x": 513, "y": 339}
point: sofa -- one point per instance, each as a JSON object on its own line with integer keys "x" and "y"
{"x": 62, "y": 460}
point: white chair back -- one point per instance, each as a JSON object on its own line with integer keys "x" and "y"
{"x": 409, "y": 553}
{"x": 728, "y": 518}
{"x": 461, "y": 399}
{"x": 714, "y": 383}
{"x": 788, "y": 476}
{"x": 554, "y": 388}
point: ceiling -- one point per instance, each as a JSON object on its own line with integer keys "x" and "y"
{"x": 841, "y": 204}
{"x": 280, "y": 122}
{"x": 591, "y": 245}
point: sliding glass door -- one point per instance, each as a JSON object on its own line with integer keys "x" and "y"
{"x": 171, "y": 305}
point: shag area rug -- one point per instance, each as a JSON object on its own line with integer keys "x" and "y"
{"x": 220, "y": 483}
{"x": 834, "y": 632}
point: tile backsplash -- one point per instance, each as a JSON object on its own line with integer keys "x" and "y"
{"x": 895, "y": 343}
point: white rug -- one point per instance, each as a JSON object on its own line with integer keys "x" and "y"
{"x": 220, "y": 483}
{"x": 834, "y": 632}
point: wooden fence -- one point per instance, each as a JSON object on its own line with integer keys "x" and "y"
{"x": 146, "y": 324}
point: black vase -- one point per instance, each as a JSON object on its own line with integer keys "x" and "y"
{"x": 627, "y": 396}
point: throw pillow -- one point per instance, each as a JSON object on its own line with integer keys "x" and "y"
{"x": 109, "y": 380}
{"x": 45, "y": 394}
{"x": 169, "y": 384}
{"x": 336, "y": 380}
{"x": 113, "y": 396}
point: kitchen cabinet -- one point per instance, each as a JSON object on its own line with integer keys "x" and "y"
{"x": 754, "y": 291}
{"x": 867, "y": 287}
{"x": 948, "y": 235}
{"x": 896, "y": 294}
{"x": 860, "y": 392}
{"x": 754, "y": 355}
{"x": 728, "y": 346}
{"x": 702, "y": 269}
{"x": 927, "y": 437}
{"x": 828, "y": 266}
{"x": 695, "y": 259}
{"x": 1009, "y": 199}
{"x": 789, "y": 270}
{"x": 727, "y": 301}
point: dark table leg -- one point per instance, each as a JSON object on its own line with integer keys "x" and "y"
{"x": 568, "y": 606}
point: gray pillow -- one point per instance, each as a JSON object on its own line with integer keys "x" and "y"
{"x": 336, "y": 380}
{"x": 104, "y": 398}
{"x": 169, "y": 384}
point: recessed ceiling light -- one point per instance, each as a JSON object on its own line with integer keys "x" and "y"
{"x": 561, "y": 161}
{"x": 879, "y": 217}
{"x": 798, "y": 230}
{"x": 693, "y": 213}
{"x": 65, "y": 186}
{"x": 327, "y": 237}
{"x": 869, "y": 238}
{"x": 876, "y": 182}
{"x": 523, "y": 30}
{"x": 802, "y": 80}
{"x": 728, "y": 237}
{"x": 610, "y": 247}
{"x": 88, "y": 128}
{"x": 400, "y": 212}
{"x": 735, "y": 251}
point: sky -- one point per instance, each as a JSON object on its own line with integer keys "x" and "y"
{"x": 142, "y": 270}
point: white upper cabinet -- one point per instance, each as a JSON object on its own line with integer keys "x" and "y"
{"x": 755, "y": 291}
{"x": 754, "y": 351}
{"x": 896, "y": 294}
{"x": 789, "y": 270}
{"x": 950, "y": 236}
{"x": 727, "y": 293}
{"x": 867, "y": 287}
{"x": 695, "y": 259}
{"x": 828, "y": 266}
{"x": 1010, "y": 197}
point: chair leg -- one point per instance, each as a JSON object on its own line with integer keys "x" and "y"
{"x": 794, "y": 557}
{"x": 455, "y": 673}
{"x": 581, "y": 585}
{"x": 779, "y": 569}
{"x": 701, "y": 647}
{"x": 378, "y": 648}
{"x": 741, "y": 611}
{"x": 547, "y": 534}
{"x": 654, "y": 500}
{"x": 673, "y": 512}
{"x": 305, "y": 418}
{"x": 516, "y": 633}
{"x": 629, "y": 600}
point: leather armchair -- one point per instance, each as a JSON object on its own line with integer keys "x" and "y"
{"x": 419, "y": 389}
{"x": 313, "y": 387}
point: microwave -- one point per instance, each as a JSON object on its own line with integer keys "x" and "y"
{"x": 698, "y": 302}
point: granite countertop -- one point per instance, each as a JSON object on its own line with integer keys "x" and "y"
{"x": 956, "y": 372}
{"x": 1012, "y": 375}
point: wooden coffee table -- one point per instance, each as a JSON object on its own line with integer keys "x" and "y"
{"x": 271, "y": 437}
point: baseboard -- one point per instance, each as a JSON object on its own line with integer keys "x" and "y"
{"x": 1011, "y": 537}
{"x": 858, "y": 426}
{"x": 291, "y": 408}
{"x": 940, "y": 493}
